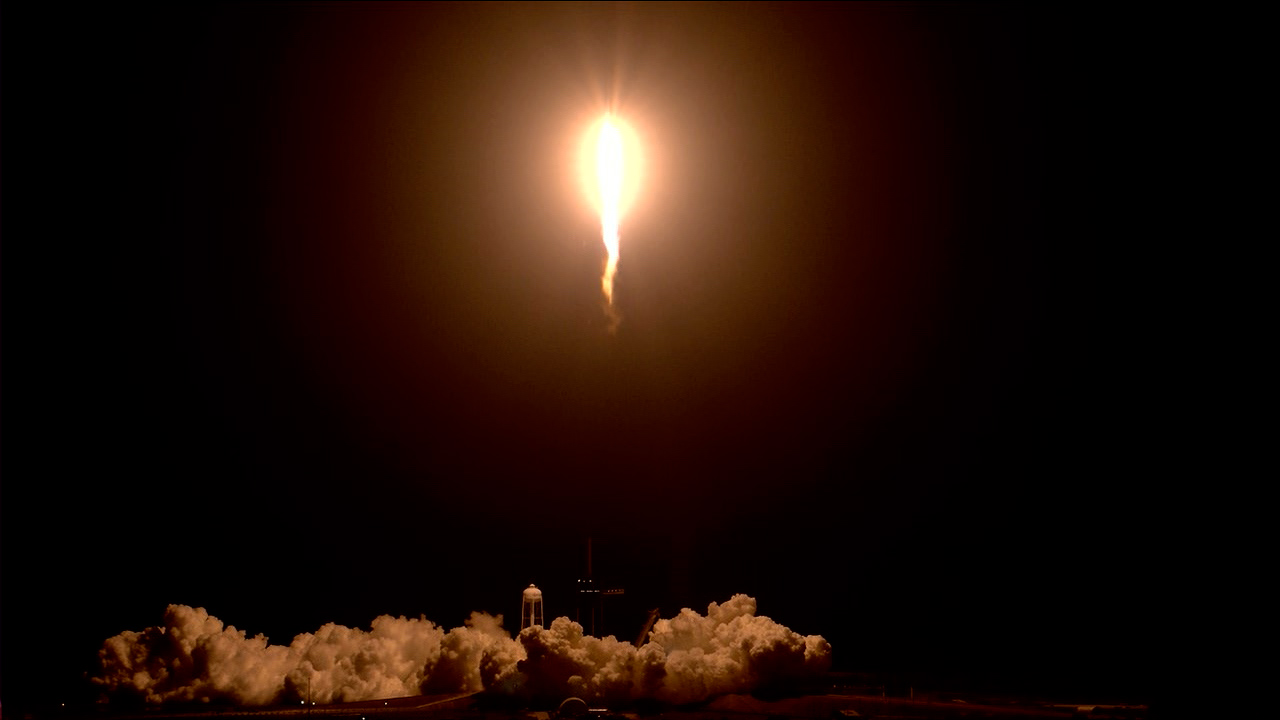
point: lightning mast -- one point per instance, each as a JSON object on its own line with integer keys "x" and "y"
{"x": 591, "y": 601}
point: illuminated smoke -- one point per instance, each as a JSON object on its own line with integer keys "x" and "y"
{"x": 688, "y": 658}
{"x": 193, "y": 657}
{"x": 691, "y": 657}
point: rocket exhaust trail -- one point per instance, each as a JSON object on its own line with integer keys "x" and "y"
{"x": 609, "y": 174}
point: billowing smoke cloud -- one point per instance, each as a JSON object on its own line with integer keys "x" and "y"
{"x": 194, "y": 657}
{"x": 691, "y": 657}
{"x": 688, "y": 658}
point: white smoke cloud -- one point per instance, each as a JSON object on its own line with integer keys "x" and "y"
{"x": 688, "y": 658}
{"x": 341, "y": 664}
{"x": 458, "y": 667}
{"x": 691, "y": 657}
{"x": 194, "y": 657}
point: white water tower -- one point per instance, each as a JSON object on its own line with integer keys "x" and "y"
{"x": 531, "y": 608}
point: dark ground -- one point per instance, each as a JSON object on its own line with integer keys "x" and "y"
{"x": 871, "y": 699}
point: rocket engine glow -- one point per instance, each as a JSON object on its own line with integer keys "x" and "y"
{"x": 609, "y": 174}
{"x": 611, "y": 168}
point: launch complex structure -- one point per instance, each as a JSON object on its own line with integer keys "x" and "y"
{"x": 589, "y": 612}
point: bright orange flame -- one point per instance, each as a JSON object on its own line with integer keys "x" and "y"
{"x": 611, "y": 170}
{"x": 609, "y": 174}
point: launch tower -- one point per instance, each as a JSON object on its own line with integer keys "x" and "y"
{"x": 591, "y": 601}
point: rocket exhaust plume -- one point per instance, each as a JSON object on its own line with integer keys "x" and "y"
{"x": 194, "y": 657}
{"x": 609, "y": 173}
{"x": 610, "y": 167}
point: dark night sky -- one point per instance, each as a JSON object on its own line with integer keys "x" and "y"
{"x": 302, "y": 324}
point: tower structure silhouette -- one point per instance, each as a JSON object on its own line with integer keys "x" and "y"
{"x": 590, "y": 611}
{"x": 531, "y": 612}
